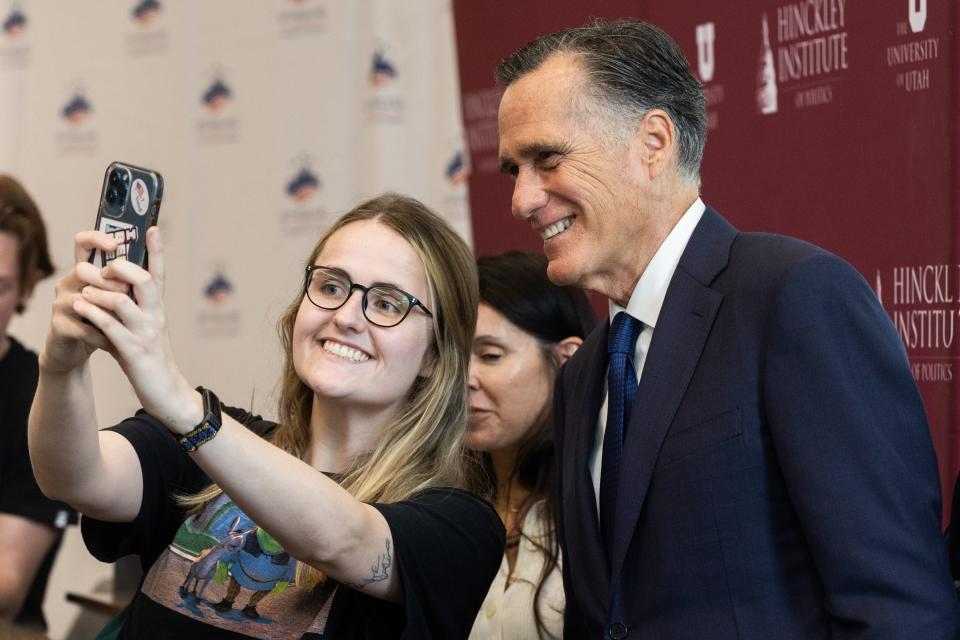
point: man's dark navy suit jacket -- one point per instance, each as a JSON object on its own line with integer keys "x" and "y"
{"x": 778, "y": 479}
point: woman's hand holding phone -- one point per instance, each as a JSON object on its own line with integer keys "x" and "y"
{"x": 70, "y": 341}
{"x": 136, "y": 333}
{"x": 94, "y": 308}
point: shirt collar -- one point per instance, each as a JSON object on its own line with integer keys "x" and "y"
{"x": 651, "y": 289}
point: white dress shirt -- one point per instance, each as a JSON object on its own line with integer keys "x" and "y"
{"x": 644, "y": 305}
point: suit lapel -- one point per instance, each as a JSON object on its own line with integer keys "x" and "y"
{"x": 582, "y": 528}
{"x": 683, "y": 325}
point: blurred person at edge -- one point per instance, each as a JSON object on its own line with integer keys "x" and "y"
{"x": 349, "y": 518}
{"x": 31, "y": 526}
{"x": 527, "y": 327}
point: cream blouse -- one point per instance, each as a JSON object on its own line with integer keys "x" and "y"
{"x": 507, "y": 612}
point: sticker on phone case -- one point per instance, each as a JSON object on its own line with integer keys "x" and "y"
{"x": 124, "y": 233}
{"x": 139, "y": 197}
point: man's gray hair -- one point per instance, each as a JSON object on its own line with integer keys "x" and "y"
{"x": 632, "y": 67}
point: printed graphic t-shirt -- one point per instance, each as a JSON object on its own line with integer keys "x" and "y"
{"x": 216, "y": 574}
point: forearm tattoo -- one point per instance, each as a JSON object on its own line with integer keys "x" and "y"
{"x": 380, "y": 570}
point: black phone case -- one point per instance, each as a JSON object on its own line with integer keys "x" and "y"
{"x": 128, "y": 215}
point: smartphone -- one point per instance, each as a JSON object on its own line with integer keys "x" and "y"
{"x": 129, "y": 205}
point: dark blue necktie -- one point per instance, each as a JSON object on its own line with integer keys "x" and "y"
{"x": 621, "y": 391}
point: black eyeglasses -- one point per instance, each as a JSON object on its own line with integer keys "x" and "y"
{"x": 383, "y": 305}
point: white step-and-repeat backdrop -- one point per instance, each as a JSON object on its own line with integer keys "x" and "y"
{"x": 267, "y": 119}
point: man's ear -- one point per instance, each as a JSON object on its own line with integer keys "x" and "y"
{"x": 565, "y": 348}
{"x": 655, "y": 141}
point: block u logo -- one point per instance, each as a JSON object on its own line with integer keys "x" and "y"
{"x": 706, "y": 35}
{"x": 918, "y": 15}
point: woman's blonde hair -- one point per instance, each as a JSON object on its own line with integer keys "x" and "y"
{"x": 423, "y": 446}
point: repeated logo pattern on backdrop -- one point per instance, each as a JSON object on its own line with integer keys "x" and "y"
{"x": 219, "y": 317}
{"x": 146, "y": 12}
{"x": 14, "y": 36}
{"x": 480, "y": 119}
{"x": 14, "y": 24}
{"x": 302, "y": 214}
{"x": 706, "y": 34}
{"x": 216, "y": 124}
{"x": 147, "y": 32}
{"x": 297, "y": 18}
{"x": 385, "y": 105}
{"x": 811, "y": 52}
{"x": 911, "y": 54}
{"x": 77, "y": 109}
{"x": 767, "y": 95}
{"x": 457, "y": 171}
{"x": 382, "y": 71}
{"x": 77, "y": 134}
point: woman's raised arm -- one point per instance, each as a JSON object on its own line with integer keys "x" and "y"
{"x": 98, "y": 473}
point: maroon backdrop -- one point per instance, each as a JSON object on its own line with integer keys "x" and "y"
{"x": 839, "y": 129}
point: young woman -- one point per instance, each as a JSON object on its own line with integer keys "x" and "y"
{"x": 526, "y": 328}
{"x": 345, "y": 520}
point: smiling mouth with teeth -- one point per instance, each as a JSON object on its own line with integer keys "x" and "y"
{"x": 556, "y": 228}
{"x": 345, "y": 352}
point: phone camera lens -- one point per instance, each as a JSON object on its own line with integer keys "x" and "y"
{"x": 112, "y": 195}
{"x": 115, "y": 178}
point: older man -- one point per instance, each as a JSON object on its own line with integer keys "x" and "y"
{"x": 771, "y": 475}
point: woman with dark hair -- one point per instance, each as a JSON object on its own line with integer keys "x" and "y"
{"x": 342, "y": 521}
{"x": 527, "y": 327}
